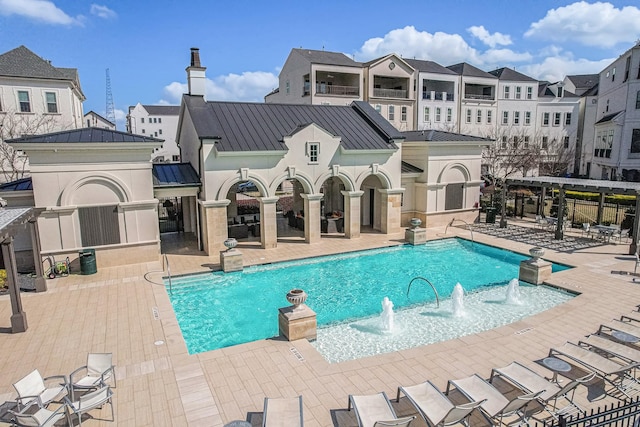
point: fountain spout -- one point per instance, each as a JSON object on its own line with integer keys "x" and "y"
{"x": 387, "y": 315}
{"x": 513, "y": 292}
{"x": 458, "y": 300}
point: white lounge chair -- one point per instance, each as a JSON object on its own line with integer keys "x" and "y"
{"x": 434, "y": 407}
{"x": 98, "y": 371}
{"x": 616, "y": 374}
{"x": 530, "y": 381}
{"x": 621, "y": 351}
{"x": 33, "y": 388}
{"x": 375, "y": 410}
{"x": 495, "y": 405}
{"x": 89, "y": 401}
{"x": 283, "y": 412}
{"x": 41, "y": 418}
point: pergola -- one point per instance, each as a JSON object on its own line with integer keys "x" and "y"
{"x": 576, "y": 184}
{"x": 12, "y": 220}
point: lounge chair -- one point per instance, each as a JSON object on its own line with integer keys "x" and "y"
{"x": 495, "y": 405}
{"x": 434, "y": 407}
{"x": 41, "y": 418}
{"x": 530, "y": 381}
{"x": 375, "y": 410}
{"x": 98, "y": 371}
{"x": 619, "y": 325}
{"x": 283, "y": 412}
{"x": 33, "y": 388}
{"x": 621, "y": 351}
{"x": 617, "y": 375}
{"x": 89, "y": 401}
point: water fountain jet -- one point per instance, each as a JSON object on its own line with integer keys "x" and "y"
{"x": 457, "y": 297}
{"x": 513, "y": 292}
{"x": 387, "y": 315}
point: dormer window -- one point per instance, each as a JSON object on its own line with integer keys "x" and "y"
{"x": 313, "y": 149}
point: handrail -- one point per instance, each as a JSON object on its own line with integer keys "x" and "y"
{"x": 431, "y": 284}
{"x": 468, "y": 227}
{"x": 166, "y": 261}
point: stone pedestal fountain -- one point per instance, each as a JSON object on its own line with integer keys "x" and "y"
{"x": 231, "y": 259}
{"x": 416, "y": 235}
{"x": 535, "y": 270}
{"x": 297, "y": 321}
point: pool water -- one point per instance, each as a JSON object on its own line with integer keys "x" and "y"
{"x": 216, "y": 310}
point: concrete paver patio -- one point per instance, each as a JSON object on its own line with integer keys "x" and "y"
{"x": 121, "y": 310}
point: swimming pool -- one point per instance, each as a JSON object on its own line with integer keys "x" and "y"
{"x": 217, "y": 309}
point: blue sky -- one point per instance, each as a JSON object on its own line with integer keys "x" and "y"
{"x": 145, "y": 44}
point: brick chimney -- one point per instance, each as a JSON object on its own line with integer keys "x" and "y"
{"x": 196, "y": 79}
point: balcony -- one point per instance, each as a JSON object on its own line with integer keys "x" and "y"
{"x": 476, "y": 96}
{"x": 437, "y": 96}
{"x": 337, "y": 90}
{"x": 389, "y": 93}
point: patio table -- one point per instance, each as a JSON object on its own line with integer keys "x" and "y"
{"x": 606, "y": 231}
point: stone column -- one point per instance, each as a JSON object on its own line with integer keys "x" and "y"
{"x": 312, "y": 217}
{"x": 268, "y": 222}
{"x": 18, "y": 316}
{"x": 41, "y": 282}
{"x": 633, "y": 247}
{"x": 352, "y": 200}
{"x": 214, "y": 223}
{"x": 390, "y": 210}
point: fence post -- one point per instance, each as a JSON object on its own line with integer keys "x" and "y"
{"x": 561, "y": 421}
{"x": 573, "y": 215}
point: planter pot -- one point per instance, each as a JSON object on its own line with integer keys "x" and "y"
{"x": 230, "y": 243}
{"x": 536, "y": 253}
{"x": 296, "y": 297}
{"x": 415, "y": 223}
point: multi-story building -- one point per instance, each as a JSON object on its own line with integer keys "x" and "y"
{"x": 35, "y": 96}
{"x": 158, "y": 121}
{"x": 95, "y": 120}
{"x": 477, "y": 105}
{"x": 437, "y": 96}
{"x": 616, "y": 153}
{"x": 318, "y": 77}
{"x": 586, "y": 87}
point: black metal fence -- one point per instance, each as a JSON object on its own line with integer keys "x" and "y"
{"x": 622, "y": 414}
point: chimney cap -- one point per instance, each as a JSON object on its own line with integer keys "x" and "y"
{"x": 195, "y": 57}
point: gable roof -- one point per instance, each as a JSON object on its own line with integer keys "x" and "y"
{"x": 326, "y": 58}
{"x": 84, "y": 135}
{"x": 608, "y": 117}
{"x": 508, "y": 74}
{"x": 241, "y": 126}
{"x": 584, "y": 81}
{"x": 429, "y": 66}
{"x": 162, "y": 110}
{"x": 21, "y": 62}
{"x": 464, "y": 69}
{"x": 91, "y": 112}
{"x": 439, "y": 135}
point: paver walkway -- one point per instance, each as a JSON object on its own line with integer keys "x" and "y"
{"x": 121, "y": 310}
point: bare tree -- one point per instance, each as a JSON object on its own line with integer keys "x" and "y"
{"x": 554, "y": 156}
{"x": 511, "y": 153}
{"x": 12, "y": 125}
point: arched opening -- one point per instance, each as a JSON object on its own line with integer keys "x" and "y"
{"x": 243, "y": 212}
{"x": 290, "y": 210}
{"x": 332, "y": 207}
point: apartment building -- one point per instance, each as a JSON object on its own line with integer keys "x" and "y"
{"x": 37, "y": 97}
{"x": 616, "y": 153}
{"x": 95, "y": 120}
{"x": 157, "y": 121}
{"x": 586, "y": 87}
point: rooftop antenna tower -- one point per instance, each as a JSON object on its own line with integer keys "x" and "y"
{"x": 111, "y": 113}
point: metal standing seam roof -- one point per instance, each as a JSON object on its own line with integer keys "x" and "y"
{"x": 174, "y": 175}
{"x": 438, "y": 135}
{"x": 23, "y": 184}
{"x": 592, "y": 185}
{"x": 84, "y": 135}
{"x": 608, "y": 118}
{"x": 409, "y": 168}
{"x": 238, "y": 126}
{"x": 162, "y": 110}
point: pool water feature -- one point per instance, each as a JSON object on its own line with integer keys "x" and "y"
{"x": 217, "y": 309}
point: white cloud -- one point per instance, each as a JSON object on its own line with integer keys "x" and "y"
{"x": 555, "y": 68}
{"x": 38, "y": 10}
{"x": 491, "y": 40}
{"x": 596, "y": 24}
{"x": 102, "y": 11}
{"x": 250, "y": 86}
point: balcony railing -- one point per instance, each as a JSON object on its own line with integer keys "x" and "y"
{"x": 477, "y": 96}
{"x": 337, "y": 90}
{"x": 438, "y": 96}
{"x": 390, "y": 93}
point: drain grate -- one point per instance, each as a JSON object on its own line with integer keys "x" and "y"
{"x": 156, "y": 313}
{"x": 523, "y": 331}
{"x": 297, "y": 354}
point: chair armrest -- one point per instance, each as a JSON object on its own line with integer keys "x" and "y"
{"x": 586, "y": 378}
{"x": 63, "y": 377}
{"x": 30, "y": 400}
{"x": 82, "y": 368}
{"x": 108, "y": 372}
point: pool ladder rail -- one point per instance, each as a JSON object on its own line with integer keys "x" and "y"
{"x": 430, "y": 284}
{"x": 167, "y": 267}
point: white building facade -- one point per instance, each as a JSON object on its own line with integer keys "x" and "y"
{"x": 156, "y": 121}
